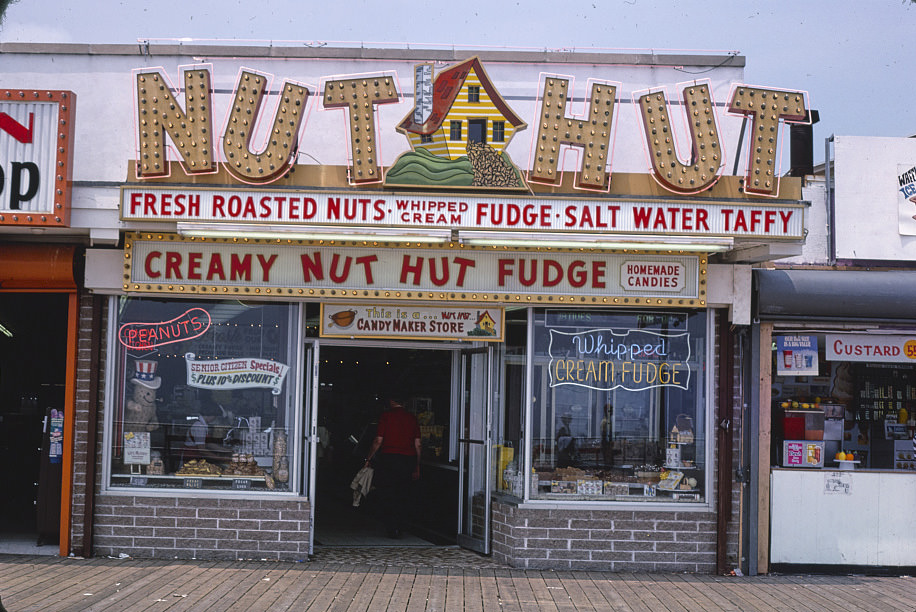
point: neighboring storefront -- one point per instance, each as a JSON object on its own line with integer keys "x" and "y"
{"x": 559, "y": 327}
{"x": 39, "y": 305}
{"x": 837, "y": 348}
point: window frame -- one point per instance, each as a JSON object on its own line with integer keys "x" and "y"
{"x": 455, "y": 129}
{"x": 474, "y": 94}
{"x": 293, "y": 392}
{"x": 499, "y": 131}
{"x": 706, "y": 404}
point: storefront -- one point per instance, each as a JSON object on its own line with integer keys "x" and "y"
{"x": 835, "y": 348}
{"x": 40, "y": 268}
{"x": 560, "y": 329}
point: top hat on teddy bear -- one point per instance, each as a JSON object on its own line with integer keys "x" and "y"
{"x": 146, "y": 374}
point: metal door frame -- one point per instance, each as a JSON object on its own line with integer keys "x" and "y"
{"x": 481, "y": 545}
{"x": 310, "y": 359}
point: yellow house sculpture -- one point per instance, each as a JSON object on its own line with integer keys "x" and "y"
{"x": 461, "y": 106}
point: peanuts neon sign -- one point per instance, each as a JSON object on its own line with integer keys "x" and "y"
{"x": 193, "y": 323}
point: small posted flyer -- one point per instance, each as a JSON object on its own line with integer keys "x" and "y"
{"x": 136, "y": 448}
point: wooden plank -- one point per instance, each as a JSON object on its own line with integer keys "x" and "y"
{"x": 342, "y": 574}
{"x": 898, "y": 590}
{"x": 641, "y": 593}
{"x": 608, "y": 588}
{"x": 235, "y": 580}
{"x": 320, "y": 582}
{"x": 293, "y": 584}
{"x": 184, "y": 579}
{"x": 702, "y": 590}
{"x": 419, "y": 594}
{"x": 135, "y": 592}
{"x": 404, "y": 585}
{"x": 69, "y": 590}
{"x": 543, "y": 594}
{"x": 28, "y": 577}
{"x": 574, "y": 590}
{"x": 765, "y": 440}
{"x": 813, "y": 594}
{"x": 744, "y": 596}
{"x": 262, "y": 594}
{"x": 473, "y": 590}
{"x": 686, "y": 598}
{"x": 489, "y": 590}
{"x": 832, "y": 597}
{"x": 506, "y": 591}
{"x": 523, "y": 592}
{"x": 196, "y": 587}
{"x": 438, "y": 582}
{"x": 362, "y": 590}
{"x": 454, "y": 591}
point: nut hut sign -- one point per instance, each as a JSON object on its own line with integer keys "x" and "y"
{"x": 454, "y": 186}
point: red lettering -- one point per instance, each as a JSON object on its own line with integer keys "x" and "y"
{"x": 173, "y": 265}
{"x": 311, "y": 265}
{"x": 240, "y": 267}
{"x": 147, "y": 264}
{"x": 409, "y": 268}
{"x": 266, "y": 265}
{"x": 215, "y": 268}
{"x": 194, "y": 265}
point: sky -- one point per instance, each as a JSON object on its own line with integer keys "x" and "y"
{"x": 855, "y": 58}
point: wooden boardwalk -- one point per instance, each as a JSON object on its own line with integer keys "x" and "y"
{"x": 54, "y": 584}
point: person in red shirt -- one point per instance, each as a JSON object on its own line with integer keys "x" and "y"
{"x": 397, "y": 443}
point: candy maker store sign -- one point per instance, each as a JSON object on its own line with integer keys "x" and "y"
{"x": 239, "y": 267}
{"x": 412, "y": 322}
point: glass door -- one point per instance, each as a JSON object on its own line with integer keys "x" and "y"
{"x": 310, "y": 442}
{"x": 473, "y": 446}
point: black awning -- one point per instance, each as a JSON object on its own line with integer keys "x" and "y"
{"x": 835, "y": 294}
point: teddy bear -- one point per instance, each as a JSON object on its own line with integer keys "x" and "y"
{"x": 141, "y": 410}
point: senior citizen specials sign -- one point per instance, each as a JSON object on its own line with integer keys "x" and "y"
{"x": 166, "y": 263}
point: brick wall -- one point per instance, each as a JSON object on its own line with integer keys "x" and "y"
{"x": 81, "y": 428}
{"x": 606, "y": 540}
{"x": 201, "y": 528}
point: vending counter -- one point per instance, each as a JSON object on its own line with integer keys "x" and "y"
{"x": 847, "y": 518}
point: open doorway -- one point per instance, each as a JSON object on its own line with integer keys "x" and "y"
{"x": 354, "y": 384}
{"x": 33, "y": 354}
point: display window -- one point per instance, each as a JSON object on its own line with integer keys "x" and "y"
{"x": 203, "y": 395}
{"x": 843, "y": 401}
{"x": 508, "y": 449}
{"x": 619, "y": 406}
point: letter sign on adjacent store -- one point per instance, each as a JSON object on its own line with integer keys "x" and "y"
{"x": 36, "y": 157}
{"x": 871, "y": 348}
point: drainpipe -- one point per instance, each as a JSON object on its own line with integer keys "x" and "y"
{"x": 724, "y": 443}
